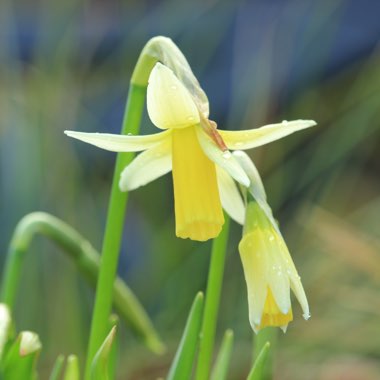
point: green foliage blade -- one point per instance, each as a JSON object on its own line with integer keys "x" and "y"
{"x": 258, "y": 369}
{"x": 21, "y": 358}
{"x": 100, "y": 363}
{"x": 182, "y": 364}
{"x": 57, "y": 368}
{"x": 72, "y": 368}
{"x": 220, "y": 369}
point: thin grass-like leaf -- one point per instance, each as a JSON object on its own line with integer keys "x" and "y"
{"x": 182, "y": 364}
{"x": 258, "y": 369}
{"x": 100, "y": 363}
{"x": 222, "y": 363}
{"x": 57, "y": 368}
{"x": 72, "y": 368}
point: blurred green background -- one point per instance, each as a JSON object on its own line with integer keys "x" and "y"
{"x": 66, "y": 65}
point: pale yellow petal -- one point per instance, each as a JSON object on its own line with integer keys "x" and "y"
{"x": 278, "y": 277}
{"x": 223, "y": 159}
{"x": 252, "y": 138}
{"x": 230, "y": 196}
{"x": 169, "y": 103}
{"x": 119, "y": 143}
{"x": 147, "y": 166}
{"x": 256, "y": 186}
{"x": 255, "y": 276}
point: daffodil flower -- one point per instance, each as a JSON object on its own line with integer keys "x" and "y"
{"x": 268, "y": 267}
{"x": 193, "y": 149}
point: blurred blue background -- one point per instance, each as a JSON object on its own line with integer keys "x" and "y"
{"x": 66, "y": 65}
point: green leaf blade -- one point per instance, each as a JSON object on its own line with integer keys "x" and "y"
{"x": 258, "y": 369}
{"x": 223, "y": 359}
{"x": 182, "y": 364}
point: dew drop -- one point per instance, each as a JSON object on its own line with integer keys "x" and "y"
{"x": 173, "y": 87}
{"x": 190, "y": 118}
{"x": 271, "y": 238}
{"x": 226, "y": 154}
{"x": 239, "y": 143}
{"x": 285, "y": 122}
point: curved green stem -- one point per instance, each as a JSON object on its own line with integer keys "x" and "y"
{"x": 214, "y": 287}
{"x": 86, "y": 259}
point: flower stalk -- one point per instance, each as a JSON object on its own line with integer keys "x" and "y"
{"x": 213, "y": 291}
{"x": 114, "y": 229}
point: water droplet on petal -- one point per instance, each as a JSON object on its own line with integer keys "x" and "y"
{"x": 173, "y": 87}
{"x": 239, "y": 143}
{"x": 285, "y": 122}
{"x": 226, "y": 154}
{"x": 271, "y": 238}
{"x": 279, "y": 273}
{"x": 190, "y": 118}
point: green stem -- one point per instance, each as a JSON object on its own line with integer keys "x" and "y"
{"x": 264, "y": 336}
{"x": 157, "y": 49}
{"x": 86, "y": 259}
{"x": 114, "y": 229}
{"x": 214, "y": 285}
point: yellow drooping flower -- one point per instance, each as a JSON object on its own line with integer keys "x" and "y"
{"x": 268, "y": 267}
{"x": 203, "y": 168}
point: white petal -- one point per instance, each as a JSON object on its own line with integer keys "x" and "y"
{"x": 169, "y": 103}
{"x": 296, "y": 286}
{"x": 223, "y": 159}
{"x": 29, "y": 343}
{"x": 256, "y": 187}
{"x": 119, "y": 143}
{"x": 252, "y": 138}
{"x": 230, "y": 196}
{"x": 147, "y": 166}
